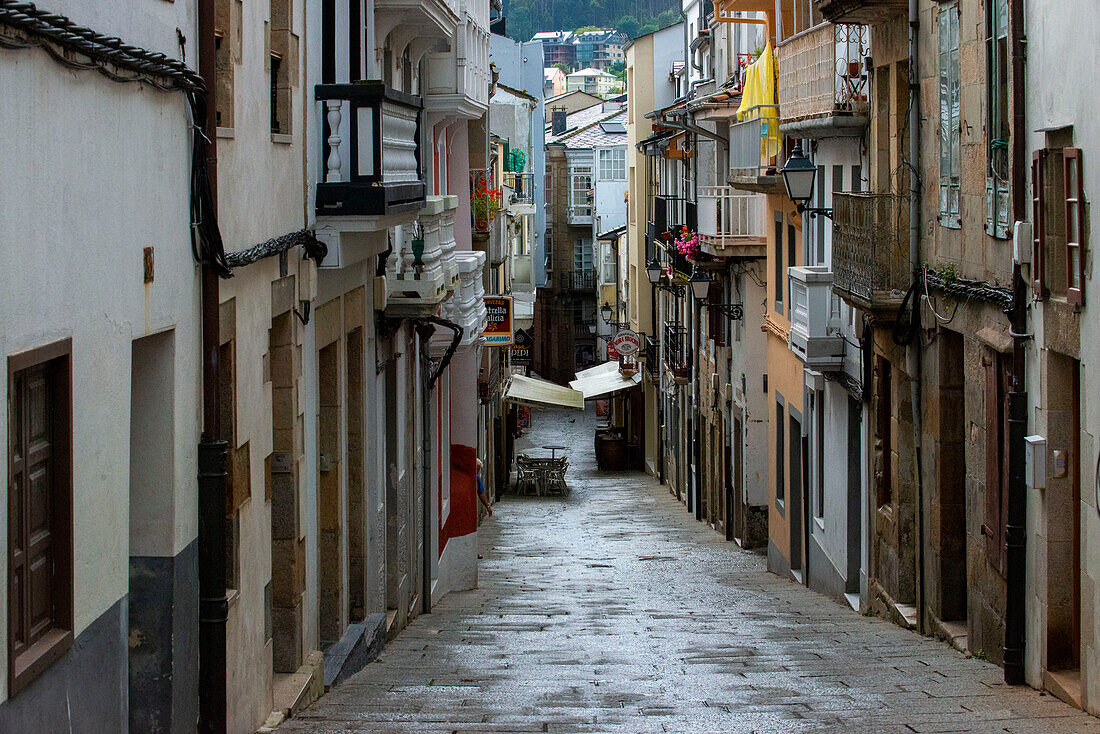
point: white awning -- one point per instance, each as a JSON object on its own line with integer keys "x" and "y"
{"x": 604, "y": 379}
{"x": 530, "y": 391}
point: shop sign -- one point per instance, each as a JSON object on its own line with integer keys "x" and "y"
{"x": 521, "y": 349}
{"x": 523, "y": 418}
{"x": 626, "y": 343}
{"x": 498, "y": 333}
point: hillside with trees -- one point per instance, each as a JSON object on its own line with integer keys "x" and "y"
{"x": 632, "y": 17}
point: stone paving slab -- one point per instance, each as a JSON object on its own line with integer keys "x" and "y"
{"x": 613, "y": 610}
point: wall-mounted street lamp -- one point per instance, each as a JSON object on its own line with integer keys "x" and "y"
{"x": 653, "y": 271}
{"x": 700, "y": 288}
{"x": 798, "y": 178}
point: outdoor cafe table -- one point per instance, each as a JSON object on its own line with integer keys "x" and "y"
{"x": 554, "y": 450}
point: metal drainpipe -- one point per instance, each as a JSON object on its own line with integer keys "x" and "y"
{"x": 212, "y": 452}
{"x": 914, "y": 266}
{"x": 424, "y": 333}
{"x": 1015, "y": 531}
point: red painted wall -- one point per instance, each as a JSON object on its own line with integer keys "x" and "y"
{"x": 462, "y": 519}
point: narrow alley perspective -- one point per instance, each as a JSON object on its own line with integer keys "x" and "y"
{"x": 612, "y": 609}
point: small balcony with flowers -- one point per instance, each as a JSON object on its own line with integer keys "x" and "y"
{"x": 370, "y": 153}
{"x": 486, "y": 203}
{"x": 823, "y": 80}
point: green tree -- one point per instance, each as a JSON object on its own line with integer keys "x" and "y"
{"x": 564, "y": 68}
{"x": 629, "y": 26}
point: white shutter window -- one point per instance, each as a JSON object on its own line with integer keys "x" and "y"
{"x": 950, "y": 116}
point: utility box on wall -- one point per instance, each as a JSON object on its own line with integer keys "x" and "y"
{"x": 1035, "y": 466}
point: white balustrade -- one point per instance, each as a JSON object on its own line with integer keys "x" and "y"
{"x": 726, "y": 212}
{"x": 399, "y": 143}
{"x": 333, "y": 163}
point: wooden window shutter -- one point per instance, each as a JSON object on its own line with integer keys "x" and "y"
{"x": 1075, "y": 253}
{"x": 1038, "y": 225}
{"x": 991, "y": 525}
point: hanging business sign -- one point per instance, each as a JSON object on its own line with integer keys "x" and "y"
{"x": 498, "y": 332}
{"x": 626, "y": 342}
{"x": 521, "y": 349}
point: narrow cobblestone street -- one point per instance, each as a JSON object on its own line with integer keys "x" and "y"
{"x": 614, "y": 610}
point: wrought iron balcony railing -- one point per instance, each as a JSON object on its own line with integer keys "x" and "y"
{"x": 652, "y": 355}
{"x": 371, "y": 150}
{"x": 520, "y": 187}
{"x": 870, "y": 249}
{"x": 576, "y": 281}
{"x": 821, "y": 72}
{"x": 671, "y": 213}
{"x": 677, "y": 352}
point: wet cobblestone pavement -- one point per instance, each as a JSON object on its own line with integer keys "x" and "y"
{"x": 613, "y": 610}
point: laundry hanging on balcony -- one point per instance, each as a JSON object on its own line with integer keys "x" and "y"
{"x": 760, "y": 100}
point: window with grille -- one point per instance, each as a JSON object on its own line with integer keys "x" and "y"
{"x": 40, "y": 498}
{"x": 950, "y": 117}
{"x": 613, "y": 164}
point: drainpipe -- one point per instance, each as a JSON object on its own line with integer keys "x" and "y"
{"x": 1015, "y": 531}
{"x": 914, "y": 265}
{"x": 213, "y": 452}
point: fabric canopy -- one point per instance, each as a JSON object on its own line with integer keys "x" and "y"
{"x": 530, "y": 391}
{"x": 604, "y": 379}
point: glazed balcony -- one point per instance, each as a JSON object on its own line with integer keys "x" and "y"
{"x": 823, "y": 85}
{"x": 371, "y": 151}
{"x": 871, "y": 251}
{"x": 732, "y": 223}
{"x": 458, "y": 79}
{"x": 813, "y": 335}
{"x": 755, "y": 145}
{"x": 867, "y": 12}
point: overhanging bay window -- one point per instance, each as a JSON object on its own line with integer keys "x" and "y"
{"x": 371, "y": 150}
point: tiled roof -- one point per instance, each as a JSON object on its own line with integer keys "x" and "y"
{"x": 586, "y": 129}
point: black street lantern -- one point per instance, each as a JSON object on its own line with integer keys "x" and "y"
{"x": 653, "y": 271}
{"x": 799, "y": 173}
{"x": 606, "y": 310}
{"x": 700, "y": 284}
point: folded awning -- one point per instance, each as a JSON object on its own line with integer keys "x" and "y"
{"x": 604, "y": 380}
{"x": 529, "y": 391}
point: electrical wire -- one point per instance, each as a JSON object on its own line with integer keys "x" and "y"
{"x": 24, "y": 26}
{"x": 943, "y": 320}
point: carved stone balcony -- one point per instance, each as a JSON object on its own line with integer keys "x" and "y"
{"x": 732, "y": 223}
{"x": 813, "y": 335}
{"x": 871, "y": 251}
{"x": 823, "y": 85}
{"x": 469, "y": 298}
{"x": 437, "y": 219}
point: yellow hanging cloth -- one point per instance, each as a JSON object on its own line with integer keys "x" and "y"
{"x": 760, "y": 91}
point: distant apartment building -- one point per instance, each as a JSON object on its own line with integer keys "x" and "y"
{"x": 599, "y": 49}
{"x": 558, "y": 48}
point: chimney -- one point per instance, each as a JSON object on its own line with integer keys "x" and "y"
{"x": 559, "y": 120}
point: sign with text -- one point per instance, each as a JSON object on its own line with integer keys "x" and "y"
{"x": 521, "y": 349}
{"x": 626, "y": 342}
{"x": 498, "y": 333}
